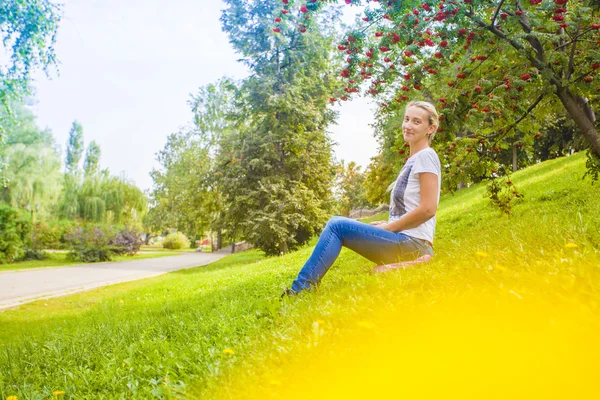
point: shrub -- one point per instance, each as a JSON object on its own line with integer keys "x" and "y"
{"x": 43, "y": 237}
{"x": 52, "y": 235}
{"x": 63, "y": 228}
{"x": 176, "y": 241}
{"x": 33, "y": 245}
{"x": 126, "y": 242}
{"x": 90, "y": 244}
{"x": 33, "y": 254}
{"x": 14, "y": 230}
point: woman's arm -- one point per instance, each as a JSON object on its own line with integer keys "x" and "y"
{"x": 427, "y": 205}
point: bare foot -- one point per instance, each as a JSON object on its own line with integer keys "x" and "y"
{"x": 390, "y": 267}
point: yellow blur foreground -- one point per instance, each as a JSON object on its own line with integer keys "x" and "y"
{"x": 482, "y": 346}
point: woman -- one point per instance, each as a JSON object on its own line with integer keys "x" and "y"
{"x": 408, "y": 234}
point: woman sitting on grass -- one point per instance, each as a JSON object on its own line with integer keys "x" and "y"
{"x": 407, "y": 237}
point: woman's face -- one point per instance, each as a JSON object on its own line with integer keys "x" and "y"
{"x": 416, "y": 127}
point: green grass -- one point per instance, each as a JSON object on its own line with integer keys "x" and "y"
{"x": 379, "y": 217}
{"x": 513, "y": 289}
{"x": 61, "y": 260}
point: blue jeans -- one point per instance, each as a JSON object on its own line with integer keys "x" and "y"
{"x": 371, "y": 242}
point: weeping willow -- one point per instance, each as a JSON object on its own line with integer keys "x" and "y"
{"x": 94, "y": 209}
{"x": 33, "y": 173}
{"x": 126, "y": 202}
{"x": 105, "y": 198}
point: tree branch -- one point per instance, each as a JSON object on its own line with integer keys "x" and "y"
{"x": 571, "y": 68}
{"x": 529, "y": 110}
{"x": 496, "y": 12}
{"x": 536, "y": 62}
{"x": 521, "y": 118}
{"x": 582, "y": 76}
{"x": 533, "y": 41}
{"x": 514, "y": 125}
{"x": 575, "y": 39}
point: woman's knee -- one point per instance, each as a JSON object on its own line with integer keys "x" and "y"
{"x": 335, "y": 222}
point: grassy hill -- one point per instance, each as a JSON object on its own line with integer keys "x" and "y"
{"x": 507, "y": 308}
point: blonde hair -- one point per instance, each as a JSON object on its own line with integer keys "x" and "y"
{"x": 434, "y": 118}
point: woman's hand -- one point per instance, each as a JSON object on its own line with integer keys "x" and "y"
{"x": 377, "y": 223}
{"x": 380, "y": 224}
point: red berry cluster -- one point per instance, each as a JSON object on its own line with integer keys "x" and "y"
{"x": 304, "y": 10}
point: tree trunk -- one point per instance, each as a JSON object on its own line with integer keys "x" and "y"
{"x": 219, "y": 239}
{"x": 283, "y": 247}
{"x": 515, "y": 165}
{"x": 589, "y": 111}
{"x": 580, "y": 116}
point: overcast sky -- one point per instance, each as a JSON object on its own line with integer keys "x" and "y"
{"x": 127, "y": 69}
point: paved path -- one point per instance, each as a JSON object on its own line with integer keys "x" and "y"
{"x": 20, "y": 287}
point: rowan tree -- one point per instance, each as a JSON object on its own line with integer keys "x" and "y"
{"x": 498, "y": 71}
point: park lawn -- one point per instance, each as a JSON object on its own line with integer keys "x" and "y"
{"x": 507, "y": 308}
{"x": 61, "y": 260}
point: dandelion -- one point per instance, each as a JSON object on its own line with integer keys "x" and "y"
{"x": 319, "y": 322}
{"x": 229, "y": 351}
{"x": 481, "y": 254}
{"x": 275, "y": 382}
{"x": 58, "y": 393}
{"x": 571, "y": 245}
{"x": 11, "y": 398}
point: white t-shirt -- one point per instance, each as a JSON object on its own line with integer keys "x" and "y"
{"x": 406, "y": 194}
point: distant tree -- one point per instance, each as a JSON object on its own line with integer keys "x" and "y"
{"x": 134, "y": 205}
{"x": 32, "y": 165}
{"x": 181, "y": 191}
{"x": 95, "y": 195}
{"x": 378, "y": 176}
{"x": 275, "y": 167}
{"x": 92, "y": 160}
{"x": 69, "y": 206}
{"x": 27, "y": 34}
{"x": 74, "y": 150}
{"x": 559, "y": 140}
{"x": 156, "y": 219}
{"x": 106, "y": 198}
{"x": 350, "y": 190}
{"x": 213, "y": 107}
{"x": 91, "y": 197}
